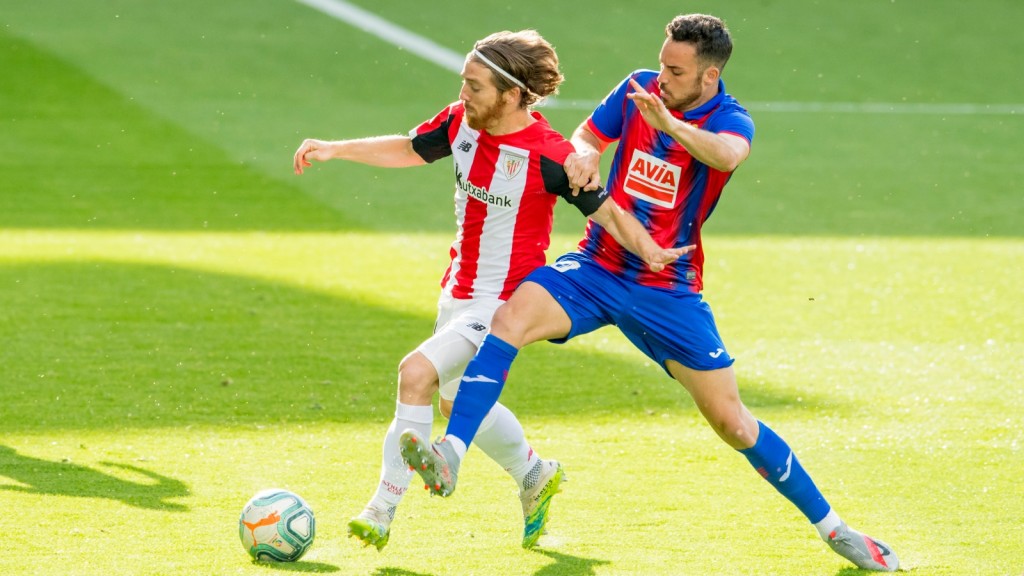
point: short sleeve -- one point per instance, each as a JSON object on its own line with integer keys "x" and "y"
{"x": 733, "y": 119}
{"x": 431, "y": 139}
{"x": 609, "y": 116}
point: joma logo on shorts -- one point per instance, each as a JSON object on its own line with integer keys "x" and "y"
{"x": 566, "y": 265}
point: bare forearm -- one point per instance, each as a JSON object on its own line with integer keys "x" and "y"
{"x": 586, "y": 142}
{"x": 626, "y": 229}
{"x": 721, "y": 152}
{"x": 385, "y": 151}
{"x": 632, "y": 235}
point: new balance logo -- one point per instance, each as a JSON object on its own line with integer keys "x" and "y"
{"x": 465, "y": 146}
{"x": 478, "y": 378}
{"x": 716, "y": 353}
{"x": 476, "y": 326}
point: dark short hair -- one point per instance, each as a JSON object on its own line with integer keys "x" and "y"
{"x": 707, "y": 33}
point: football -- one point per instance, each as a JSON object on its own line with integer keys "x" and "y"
{"x": 276, "y": 526}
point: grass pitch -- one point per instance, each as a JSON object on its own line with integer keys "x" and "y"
{"x": 185, "y": 322}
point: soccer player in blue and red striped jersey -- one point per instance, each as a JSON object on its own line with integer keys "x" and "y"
{"x": 680, "y": 137}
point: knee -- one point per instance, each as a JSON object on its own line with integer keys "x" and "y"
{"x": 417, "y": 379}
{"x": 508, "y": 325}
{"x": 735, "y": 425}
{"x": 513, "y": 324}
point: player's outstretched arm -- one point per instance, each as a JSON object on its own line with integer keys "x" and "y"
{"x": 633, "y": 236}
{"x": 384, "y": 151}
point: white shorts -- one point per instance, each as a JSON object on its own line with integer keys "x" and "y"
{"x": 458, "y": 332}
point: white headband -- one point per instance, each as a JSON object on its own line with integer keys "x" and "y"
{"x": 498, "y": 69}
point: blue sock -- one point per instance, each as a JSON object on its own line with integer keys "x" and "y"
{"x": 775, "y": 461}
{"x": 480, "y": 387}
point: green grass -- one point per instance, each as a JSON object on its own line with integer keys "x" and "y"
{"x": 184, "y": 322}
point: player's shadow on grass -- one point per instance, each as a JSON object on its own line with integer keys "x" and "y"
{"x": 141, "y": 346}
{"x": 38, "y": 476}
{"x": 566, "y": 564}
{"x": 545, "y": 376}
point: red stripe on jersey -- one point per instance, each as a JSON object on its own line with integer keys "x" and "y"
{"x": 532, "y": 234}
{"x": 469, "y": 259}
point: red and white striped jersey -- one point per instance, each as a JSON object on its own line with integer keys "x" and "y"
{"x": 505, "y": 191}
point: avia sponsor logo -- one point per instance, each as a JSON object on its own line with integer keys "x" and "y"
{"x": 480, "y": 193}
{"x": 652, "y": 179}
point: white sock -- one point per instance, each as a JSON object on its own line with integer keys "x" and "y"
{"x": 394, "y": 472}
{"x": 826, "y": 525}
{"x": 502, "y": 438}
{"x": 458, "y": 445}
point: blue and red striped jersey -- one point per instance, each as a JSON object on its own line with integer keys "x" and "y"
{"x": 659, "y": 182}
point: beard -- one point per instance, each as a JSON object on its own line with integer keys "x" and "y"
{"x": 681, "y": 102}
{"x": 483, "y": 115}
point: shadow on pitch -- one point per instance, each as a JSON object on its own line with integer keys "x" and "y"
{"x": 300, "y": 566}
{"x": 398, "y": 572}
{"x": 38, "y": 476}
{"x": 566, "y": 564}
{"x": 140, "y": 346}
{"x": 850, "y": 571}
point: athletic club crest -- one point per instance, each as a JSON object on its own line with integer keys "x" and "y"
{"x": 511, "y": 164}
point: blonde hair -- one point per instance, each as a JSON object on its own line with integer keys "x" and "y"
{"x": 526, "y": 56}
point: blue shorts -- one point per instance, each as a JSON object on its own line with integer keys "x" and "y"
{"x": 663, "y": 324}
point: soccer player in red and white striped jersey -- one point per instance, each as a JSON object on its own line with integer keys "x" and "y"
{"x": 509, "y": 173}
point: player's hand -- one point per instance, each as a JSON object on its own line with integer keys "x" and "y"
{"x": 583, "y": 170}
{"x": 310, "y": 149}
{"x": 651, "y": 107}
{"x": 665, "y": 256}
